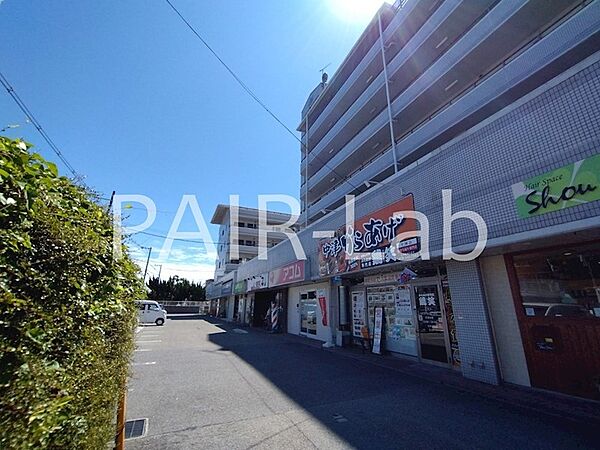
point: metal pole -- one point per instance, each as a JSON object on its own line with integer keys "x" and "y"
{"x": 147, "y": 262}
{"x": 159, "y": 272}
{"x": 110, "y": 203}
{"x": 120, "y": 438}
{"x": 306, "y": 175}
{"x": 387, "y": 94}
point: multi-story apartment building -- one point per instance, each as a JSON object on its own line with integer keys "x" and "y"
{"x": 415, "y": 68}
{"x": 496, "y": 106}
{"x": 238, "y": 243}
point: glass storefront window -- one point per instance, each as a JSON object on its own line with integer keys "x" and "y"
{"x": 308, "y": 312}
{"x": 561, "y": 282}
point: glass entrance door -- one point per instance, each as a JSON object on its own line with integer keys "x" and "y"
{"x": 308, "y": 313}
{"x": 430, "y": 320}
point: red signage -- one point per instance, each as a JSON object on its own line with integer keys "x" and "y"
{"x": 370, "y": 237}
{"x": 290, "y": 273}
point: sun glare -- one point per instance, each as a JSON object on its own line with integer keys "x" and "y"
{"x": 355, "y": 10}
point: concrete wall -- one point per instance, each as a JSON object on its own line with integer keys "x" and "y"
{"x": 511, "y": 356}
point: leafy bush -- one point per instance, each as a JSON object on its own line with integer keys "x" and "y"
{"x": 66, "y": 309}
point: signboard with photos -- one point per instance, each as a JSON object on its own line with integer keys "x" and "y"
{"x": 370, "y": 242}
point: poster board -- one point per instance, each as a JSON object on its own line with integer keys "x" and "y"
{"x": 359, "y": 313}
{"x": 377, "y": 330}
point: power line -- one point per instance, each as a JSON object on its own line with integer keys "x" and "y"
{"x": 11, "y": 91}
{"x": 179, "y": 239}
{"x": 255, "y": 97}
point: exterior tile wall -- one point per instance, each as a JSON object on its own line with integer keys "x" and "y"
{"x": 475, "y": 339}
{"x": 555, "y": 125}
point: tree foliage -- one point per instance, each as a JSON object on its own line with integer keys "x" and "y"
{"x": 175, "y": 289}
{"x": 66, "y": 309}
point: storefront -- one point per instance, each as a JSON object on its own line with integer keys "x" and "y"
{"x": 416, "y": 309}
{"x": 556, "y": 289}
{"x": 239, "y": 310}
{"x": 227, "y": 300}
{"x": 257, "y": 305}
{"x": 413, "y": 300}
{"x": 557, "y": 301}
{"x": 308, "y": 311}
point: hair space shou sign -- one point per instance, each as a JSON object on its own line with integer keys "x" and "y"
{"x": 571, "y": 185}
{"x": 369, "y": 242}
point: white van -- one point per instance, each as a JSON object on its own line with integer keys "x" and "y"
{"x": 150, "y": 311}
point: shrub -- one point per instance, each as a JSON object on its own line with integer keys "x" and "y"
{"x": 66, "y": 309}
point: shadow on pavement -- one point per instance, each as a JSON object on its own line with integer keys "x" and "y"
{"x": 368, "y": 406}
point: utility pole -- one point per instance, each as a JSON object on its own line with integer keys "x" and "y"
{"x": 147, "y": 261}
{"x": 110, "y": 203}
{"x": 159, "y": 271}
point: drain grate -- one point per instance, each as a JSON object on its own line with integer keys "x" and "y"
{"x": 135, "y": 428}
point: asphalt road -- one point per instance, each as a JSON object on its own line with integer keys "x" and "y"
{"x": 204, "y": 385}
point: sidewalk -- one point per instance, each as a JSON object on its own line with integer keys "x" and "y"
{"x": 555, "y": 404}
{"x": 543, "y": 402}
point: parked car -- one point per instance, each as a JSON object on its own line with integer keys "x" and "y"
{"x": 150, "y": 311}
{"x": 555, "y": 310}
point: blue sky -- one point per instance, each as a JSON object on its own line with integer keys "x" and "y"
{"x": 138, "y": 105}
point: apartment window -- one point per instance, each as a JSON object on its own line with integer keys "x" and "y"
{"x": 251, "y": 225}
{"x": 241, "y": 224}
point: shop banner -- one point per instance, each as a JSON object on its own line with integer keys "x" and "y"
{"x": 227, "y": 288}
{"x": 371, "y": 237}
{"x": 290, "y": 273}
{"x": 323, "y": 305}
{"x": 377, "y": 330}
{"x": 240, "y": 287}
{"x": 257, "y": 282}
{"x": 561, "y": 188}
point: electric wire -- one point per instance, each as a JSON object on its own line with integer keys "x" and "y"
{"x": 254, "y": 96}
{"x": 23, "y": 107}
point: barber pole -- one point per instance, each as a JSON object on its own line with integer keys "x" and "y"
{"x": 274, "y": 317}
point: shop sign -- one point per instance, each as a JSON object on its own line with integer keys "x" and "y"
{"x": 257, "y": 282}
{"x": 290, "y": 273}
{"x": 377, "y": 330}
{"x": 213, "y": 291}
{"x": 381, "y": 278}
{"x": 371, "y": 237}
{"x": 226, "y": 288}
{"x": 561, "y": 188}
{"x": 402, "y": 277}
{"x": 240, "y": 287}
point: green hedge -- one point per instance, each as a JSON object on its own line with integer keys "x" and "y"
{"x": 66, "y": 309}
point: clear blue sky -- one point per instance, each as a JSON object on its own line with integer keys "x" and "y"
{"x": 138, "y": 105}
